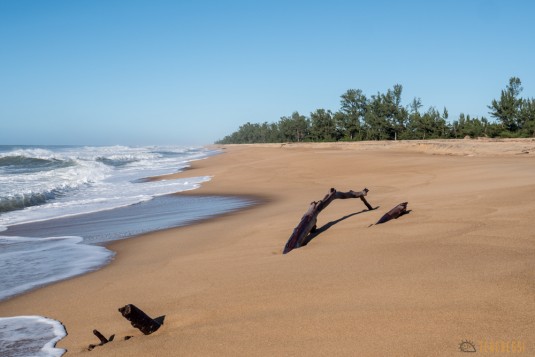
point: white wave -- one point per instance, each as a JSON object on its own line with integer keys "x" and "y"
{"x": 60, "y": 179}
{"x": 52, "y": 259}
{"x": 90, "y": 185}
{"x": 101, "y": 197}
{"x": 34, "y": 153}
{"x": 23, "y": 336}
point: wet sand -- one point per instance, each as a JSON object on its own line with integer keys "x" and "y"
{"x": 460, "y": 266}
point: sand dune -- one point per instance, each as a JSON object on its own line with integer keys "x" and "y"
{"x": 460, "y": 266}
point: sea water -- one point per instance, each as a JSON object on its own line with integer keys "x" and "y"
{"x": 58, "y": 204}
{"x": 25, "y": 336}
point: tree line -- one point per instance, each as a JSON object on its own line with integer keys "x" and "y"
{"x": 383, "y": 117}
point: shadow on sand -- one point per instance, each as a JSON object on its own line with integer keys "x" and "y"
{"x": 318, "y": 231}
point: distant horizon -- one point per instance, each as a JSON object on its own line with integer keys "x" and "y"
{"x": 102, "y": 145}
{"x": 173, "y": 73}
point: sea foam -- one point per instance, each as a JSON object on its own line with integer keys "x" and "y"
{"x": 38, "y": 183}
{"x": 47, "y": 260}
{"x": 24, "y": 336}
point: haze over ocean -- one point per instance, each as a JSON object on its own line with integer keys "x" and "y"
{"x": 188, "y": 72}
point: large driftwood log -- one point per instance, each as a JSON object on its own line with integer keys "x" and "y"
{"x": 308, "y": 222}
{"x": 140, "y": 320}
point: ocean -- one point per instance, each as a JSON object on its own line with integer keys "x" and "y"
{"x": 59, "y": 204}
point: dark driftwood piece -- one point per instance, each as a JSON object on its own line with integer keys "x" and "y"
{"x": 394, "y": 213}
{"x": 308, "y": 222}
{"x": 140, "y": 320}
{"x": 103, "y": 340}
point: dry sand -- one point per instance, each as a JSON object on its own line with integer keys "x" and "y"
{"x": 460, "y": 266}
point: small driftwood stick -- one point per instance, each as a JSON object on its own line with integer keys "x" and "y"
{"x": 140, "y": 320}
{"x": 103, "y": 340}
{"x": 308, "y": 222}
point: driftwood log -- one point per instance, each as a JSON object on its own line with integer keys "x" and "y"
{"x": 308, "y": 222}
{"x": 394, "y": 213}
{"x": 140, "y": 320}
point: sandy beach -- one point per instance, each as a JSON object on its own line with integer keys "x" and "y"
{"x": 459, "y": 267}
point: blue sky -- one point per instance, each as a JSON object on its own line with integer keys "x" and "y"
{"x": 190, "y": 72}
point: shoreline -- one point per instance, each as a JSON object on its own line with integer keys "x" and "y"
{"x": 226, "y": 288}
{"x": 86, "y": 232}
{"x": 71, "y": 232}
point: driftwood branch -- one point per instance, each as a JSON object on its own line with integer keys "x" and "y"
{"x": 308, "y": 222}
{"x": 103, "y": 340}
{"x": 140, "y": 320}
{"x": 394, "y": 213}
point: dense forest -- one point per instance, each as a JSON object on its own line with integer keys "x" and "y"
{"x": 383, "y": 117}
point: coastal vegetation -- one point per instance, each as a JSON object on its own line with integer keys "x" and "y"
{"x": 383, "y": 117}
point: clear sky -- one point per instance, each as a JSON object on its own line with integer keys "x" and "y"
{"x": 190, "y": 72}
